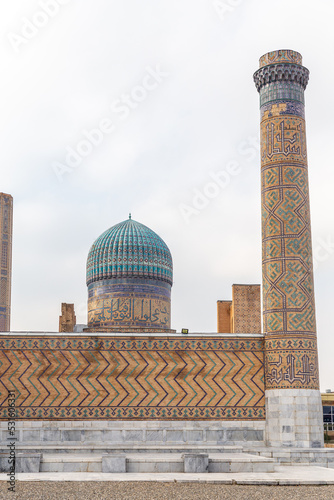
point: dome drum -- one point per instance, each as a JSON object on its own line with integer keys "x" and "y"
{"x": 131, "y": 304}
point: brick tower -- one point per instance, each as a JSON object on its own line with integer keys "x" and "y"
{"x": 293, "y": 402}
{"x": 6, "y": 228}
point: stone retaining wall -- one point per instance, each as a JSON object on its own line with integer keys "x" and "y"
{"x": 162, "y": 433}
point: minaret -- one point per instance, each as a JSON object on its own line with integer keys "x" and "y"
{"x": 6, "y": 229}
{"x": 293, "y": 401}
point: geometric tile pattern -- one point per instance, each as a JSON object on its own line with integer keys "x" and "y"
{"x": 71, "y": 378}
{"x": 129, "y": 249}
{"x": 287, "y": 269}
{"x": 246, "y": 308}
{"x": 288, "y": 300}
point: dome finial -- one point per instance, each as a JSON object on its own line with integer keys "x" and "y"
{"x": 130, "y": 216}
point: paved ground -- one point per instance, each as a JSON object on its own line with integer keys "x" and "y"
{"x": 161, "y": 491}
{"x": 290, "y": 483}
{"x": 305, "y": 475}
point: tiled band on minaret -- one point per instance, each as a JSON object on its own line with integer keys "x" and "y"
{"x": 291, "y": 359}
{"x": 6, "y": 228}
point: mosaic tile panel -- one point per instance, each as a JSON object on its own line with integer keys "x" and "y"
{"x": 129, "y": 378}
{"x": 291, "y": 360}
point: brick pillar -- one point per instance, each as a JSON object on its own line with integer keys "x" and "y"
{"x": 224, "y": 316}
{"x": 293, "y": 401}
{"x": 67, "y": 320}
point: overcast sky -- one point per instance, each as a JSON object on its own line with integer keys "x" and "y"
{"x": 163, "y": 92}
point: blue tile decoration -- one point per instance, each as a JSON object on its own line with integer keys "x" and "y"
{"x": 129, "y": 279}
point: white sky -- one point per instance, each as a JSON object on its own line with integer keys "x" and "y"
{"x": 202, "y": 116}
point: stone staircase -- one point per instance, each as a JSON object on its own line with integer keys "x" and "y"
{"x": 155, "y": 458}
{"x": 155, "y": 462}
{"x": 141, "y": 459}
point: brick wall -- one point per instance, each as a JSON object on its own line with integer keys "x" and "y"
{"x": 246, "y": 308}
{"x": 243, "y": 313}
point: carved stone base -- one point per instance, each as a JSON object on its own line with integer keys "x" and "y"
{"x": 294, "y": 418}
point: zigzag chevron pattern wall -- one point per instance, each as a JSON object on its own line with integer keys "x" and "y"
{"x": 161, "y": 378}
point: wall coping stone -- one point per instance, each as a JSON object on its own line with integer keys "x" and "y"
{"x": 133, "y": 334}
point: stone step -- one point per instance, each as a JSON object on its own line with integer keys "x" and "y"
{"x": 71, "y": 462}
{"x": 155, "y": 463}
{"x": 127, "y": 448}
{"x": 323, "y": 457}
{"x": 242, "y": 462}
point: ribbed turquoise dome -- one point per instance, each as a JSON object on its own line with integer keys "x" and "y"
{"x": 129, "y": 250}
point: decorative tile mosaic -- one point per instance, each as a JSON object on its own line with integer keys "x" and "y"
{"x": 129, "y": 279}
{"x": 246, "y": 307}
{"x": 128, "y": 378}
{"x": 281, "y": 56}
{"x": 129, "y": 249}
{"x": 280, "y": 92}
{"x": 129, "y": 303}
{"x": 291, "y": 361}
